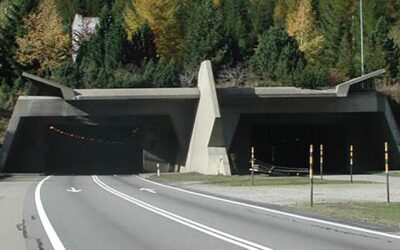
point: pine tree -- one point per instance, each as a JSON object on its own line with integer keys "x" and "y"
{"x": 11, "y": 28}
{"x": 277, "y": 56}
{"x": 337, "y": 18}
{"x": 345, "y": 61}
{"x": 204, "y": 38}
{"x": 261, "y": 15}
{"x": 238, "y": 27}
{"x": 301, "y": 24}
{"x": 383, "y": 52}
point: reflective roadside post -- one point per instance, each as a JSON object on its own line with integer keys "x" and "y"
{"x": 311, "y": 176}
{"x": 321, "y": 160}
{"x": 351, "y": 163}
{"x": 252, "y": 166}
{"x": 158, "y": 169}
{"x": 387, "y": 172}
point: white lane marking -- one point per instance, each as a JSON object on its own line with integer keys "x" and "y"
{"x": 73, "y": 190}
{"x": 48, "y": 228}
{"x": 148, "y": 190}
{"x": 340, "y": 225}
{"x": 184, "y": 221}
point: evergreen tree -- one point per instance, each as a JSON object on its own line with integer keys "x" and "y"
{"x": 337, "y": 17}
{"x": 277, "y": 56}
{"x": 238, "y": 27}
{"x": 11, "y": 28}
{"x": 345, "y": 61}
{"x": 261, "y": 15}
{"x": 383, "y": 52}
{"x": 204, "y": 38}
{"x": 141, "y": 48}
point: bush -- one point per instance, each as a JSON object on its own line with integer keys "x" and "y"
{"x": 161, "y": 74}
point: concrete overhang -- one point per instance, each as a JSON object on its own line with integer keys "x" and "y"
{"x": 140, "y": 93}
{"x": 341, "y": 90}
{"x": 50, "y": 88}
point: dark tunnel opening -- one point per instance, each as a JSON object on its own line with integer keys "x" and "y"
{"x": 94, "y": 145}
{"x": 289, "y": 145}
{"x": 93, "y": 150}
{"x": 284, "y": 140}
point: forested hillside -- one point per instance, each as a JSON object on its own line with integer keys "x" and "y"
{"x": 159, "y": 43}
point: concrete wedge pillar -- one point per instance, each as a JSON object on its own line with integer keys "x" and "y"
{"x": 207, "y": 150}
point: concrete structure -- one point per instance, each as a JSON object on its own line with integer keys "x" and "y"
{"x": 82, "y": 29}
{"x": 203, "y": 129}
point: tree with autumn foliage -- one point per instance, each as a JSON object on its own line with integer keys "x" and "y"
{"x": 161, "y": 15}
{"x": 301, "y": 24}
{"x": 45, "y": 45}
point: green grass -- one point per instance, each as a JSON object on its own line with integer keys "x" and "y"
{"x": 245, "y": 180}
{"x": 371, "y": 212}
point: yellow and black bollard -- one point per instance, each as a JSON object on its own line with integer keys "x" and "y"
{"x": 387, "y": 171}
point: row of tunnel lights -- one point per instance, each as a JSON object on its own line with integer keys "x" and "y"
{"x": 87, "y": 139}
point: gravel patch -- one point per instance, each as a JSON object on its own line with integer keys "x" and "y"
{"x": 298, "y": 194}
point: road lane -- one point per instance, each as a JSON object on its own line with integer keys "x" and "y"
{"x": 94, "y": 218}
{"x": 269, "y": 229}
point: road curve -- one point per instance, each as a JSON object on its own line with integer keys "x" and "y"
{"x": 127, "y": 212}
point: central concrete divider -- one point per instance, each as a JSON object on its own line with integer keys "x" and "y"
{"x": 207, "y": 151}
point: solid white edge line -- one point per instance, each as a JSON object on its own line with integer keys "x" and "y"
{"x": 48, "y": 228}
{"x": 187, "y": 222}
{"x": 301, "y": 217}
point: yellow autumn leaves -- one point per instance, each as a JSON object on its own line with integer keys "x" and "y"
{"x": 44, "y": 43}
{"x": 161, "y": 16}
{"x": 301, "y": 24}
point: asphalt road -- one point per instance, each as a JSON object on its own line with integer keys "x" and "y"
{"x": 126, "y": 212}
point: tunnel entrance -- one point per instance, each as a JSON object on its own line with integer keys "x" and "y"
{"x": 284, "y": 140}
{"x": 93, "y": 149}
{"x": 288, "y": 145}
{"x": 95, "y": 145}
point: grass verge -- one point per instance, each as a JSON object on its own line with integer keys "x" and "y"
{"x": 370, "y": 212}
{"x": 245, "y": 180}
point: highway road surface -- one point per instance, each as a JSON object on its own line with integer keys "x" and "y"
{"x": 129, "y": 212}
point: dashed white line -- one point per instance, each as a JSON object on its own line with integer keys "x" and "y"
{"x": 48, "y": 228}
{"x": 184, "y": 221}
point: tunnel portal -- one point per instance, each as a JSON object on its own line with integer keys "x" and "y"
{"x": 96, "y": 145}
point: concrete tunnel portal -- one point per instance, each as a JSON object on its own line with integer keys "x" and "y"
{"x": 203, "y": 129}
{"x": 95, "y": 145}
